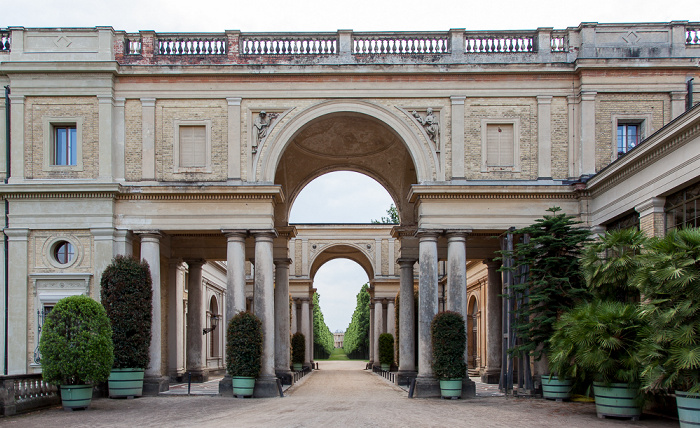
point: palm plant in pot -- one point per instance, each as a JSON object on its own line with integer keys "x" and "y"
{"x": 599, "y": 341}
{"x": 76, "y": 349}
{"x": 386, "y": 351}
{"x": 449, "y": 340}
{"x": 126, "y": 297}
{"x": 298, "y": 351}
{"x": 244, "y": 347}
{"x": 670, "y": 282}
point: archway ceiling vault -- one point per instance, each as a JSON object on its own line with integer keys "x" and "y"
{"x": 347, "y": 142}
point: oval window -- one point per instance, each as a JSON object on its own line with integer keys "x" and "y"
{"x": 63, "y": 252}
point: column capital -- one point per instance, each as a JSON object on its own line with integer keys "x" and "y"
{"x": 102, "y": 233}
{"x": 406, "y": 262}
{"x": 264, "y": 233}
{"x": 194, "y": 263}
{"x": 233, "y": 101}
{"x": 650, "y": 206}
{"x": 458, "y": 99}
{"x": 457, "y": 233}
{"x": 146, "y": 233}
{"x": 428, "y": 234}
{"x": 282, "y": 262}
{"x": 544, "y": 99}
{"x": 148, "y": 102}
{"x": 234, "y": 234}
{"x": 678, "y": 95}
{"x": 17, "y": 234}
{"x": 492, "y": 264}
{"x": 588, "y": 95}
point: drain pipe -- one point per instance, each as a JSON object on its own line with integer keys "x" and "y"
{"x": 7, "y": 217}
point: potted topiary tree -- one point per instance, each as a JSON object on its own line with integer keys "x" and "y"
{"x": 298, "y": 350}
{"x": 126, "y": 297}
{"x": 386, "y": 351}
{"x": 244, "y": 347}
{"x": 76, "y": 349}
{"x": 449, "y": 340}
{"x": 669, "y": 279}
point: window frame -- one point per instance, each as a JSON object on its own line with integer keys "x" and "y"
{"x": 51, "y": 124}
{"x": 642, "y": 120}
{"x": 177, "y": 168}
{"x": 515, "y": 123}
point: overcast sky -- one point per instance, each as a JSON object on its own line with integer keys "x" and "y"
{"x": 338, "y": 198}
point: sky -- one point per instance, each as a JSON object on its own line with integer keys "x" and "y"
{"x": 338, "y": 198}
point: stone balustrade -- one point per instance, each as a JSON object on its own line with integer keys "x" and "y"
{"x": 692, "y": 36}
{"x": 132, "y": 45}
{"x": 174, "y": 44}
{"x": 289, "y": 44}
{"x": 4, "y": 41}
{"x": 399, "y": 44}
{"x": 559, "y": 41}
{"x": 22, "y": 393}
{"x": 501, "y": 42}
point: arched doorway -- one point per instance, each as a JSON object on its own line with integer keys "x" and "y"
{"x": 473, "y": 333}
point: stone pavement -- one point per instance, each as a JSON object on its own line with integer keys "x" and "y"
{"x": 340, "y": 393}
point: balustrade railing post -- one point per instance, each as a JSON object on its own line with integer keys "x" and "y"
{"x": 345, "y": 43}
{"x": 457, "y": 42}
{"x": 542, "y": 44}
{"x": 148, "y": 43}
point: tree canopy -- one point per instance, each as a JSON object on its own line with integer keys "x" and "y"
{"x": 356, "y": 341}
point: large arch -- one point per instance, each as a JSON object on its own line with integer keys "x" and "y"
{"x": 352, "y": 252}
{"x": 347, "y": 136}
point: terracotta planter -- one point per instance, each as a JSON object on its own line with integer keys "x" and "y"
{"x": 688, "y": 409}
{"x": 125, "y": 383}
{"x": 451, "y": 388}
{"x": 617, "y": 399}
{"x": 243, "y": 386}
{"x": 75, "y": 397}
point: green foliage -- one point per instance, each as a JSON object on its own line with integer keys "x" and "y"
{"x": 609, "y": 264}
{"x": 356, "y": 341}
{"x": 76, "y": 343}
{"x": 449, "y": 339}
{"x": 244, "y": 345}
{"x": 669, "y": 280}
{"x": 553, "y": 284}
{"x": 323, "y": 338}
{"x": 298, "y": 348}
{"x": 598, "y": 341}
{"x": 126, "y": 297}
{"x": 386, "y": 349}
{"x": 392, "y": 217}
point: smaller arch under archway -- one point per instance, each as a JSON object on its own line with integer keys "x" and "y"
{"x": 473, "y": 333}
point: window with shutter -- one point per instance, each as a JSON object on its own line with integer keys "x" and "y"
{"x": 193, "y": 146}
{"x": 499, "y": 145}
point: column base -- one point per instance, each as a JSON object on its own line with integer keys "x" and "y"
{"x": 198, "y": 376}
{"x": 427, "y": 387}
{"x": 404, "y": 377}
{"x": 285, "y": 376}
{"x": 491, "y": 376}
{"x": 225, "y": 387}
{"x": 266, "y": 386}
{"x": 153, "y": 385}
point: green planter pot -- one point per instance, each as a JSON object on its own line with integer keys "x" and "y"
{"x": 556, "y": 389}
{"x": 298, "y": 367}
{"x": 385, "y": 367}
{"x": 451, "y": 388}
{"x": 688, "y": 409}
{"x": 125, "y": 383}
{"x": 76, "y": 397}
{"x": 617, "y": 399}
{"x": 243, "y": 386}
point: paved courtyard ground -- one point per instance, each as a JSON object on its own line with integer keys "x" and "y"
{"x": 339, "y": 394}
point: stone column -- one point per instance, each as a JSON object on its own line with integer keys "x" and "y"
{"x": 494, "y": 324}
{"x": 263, "y": 298}
{"x": 588, "y": 132}
{"x": 457, "y": 277}
{"x": 235, "y": 273}
{"x": 312, "y": 339}
{"x": 119, "y": 138}
{"x": 407, "y": 346}
{"x": 378, "y": 324}
{"x": 195, "y": 322}
{"x": 652, "y": 216}
{"x": 426, "y": 384}
{"x": 372, "y": 336}
{"x": 457, "y": 136}
{"x": 282, "y": 343}
{"x": 677, "y": 103}
{"x": 17, "y": 146}
{"x": 234, "y": 138}
{"x": 176, "y": 331}
{"x": 17, "y": 292}
{"x": 306, "y": 329}
{"x": 544, "y": 136}
{"x": 105, "y": 117}
{"x": 123, "y": 243}
{"x": 104, "y": 252}
{"x": 294, "y": 316}
{"x": 148, "y": 153}
{"x": 391, "y": 318}
{"x": 154, "y": 381}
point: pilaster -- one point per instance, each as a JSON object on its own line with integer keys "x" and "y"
{"x": 148, "y": 141}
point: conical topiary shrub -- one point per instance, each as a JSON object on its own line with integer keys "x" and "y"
{"x": 126, "y": 296}
{"x": 449, "y": 339}
{"x": 244, "y": 348}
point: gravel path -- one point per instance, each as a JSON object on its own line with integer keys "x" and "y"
{"x": 339, "y": 394}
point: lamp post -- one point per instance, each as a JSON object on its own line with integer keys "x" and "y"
{"x": 214, "y": 320}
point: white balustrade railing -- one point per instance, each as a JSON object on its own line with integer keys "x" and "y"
{"x": 499, "y": 43}
{"x": 393, "y": 43}
{"x": 132, "y": 46}
{"x": 4, "y": 41}
{"x": 692, "y": 36}
{"x": 191, "y": 46}
{"x": 559, "y": 42}
{"x": 318, "y": 44}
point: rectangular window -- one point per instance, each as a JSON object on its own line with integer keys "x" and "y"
{"x": 499, "y": 145}
{"x": 628, "y": 137}
{"x": 193, "y": 146}
{"x": 683, "y": 208}
{"x": 65, "y": 145}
